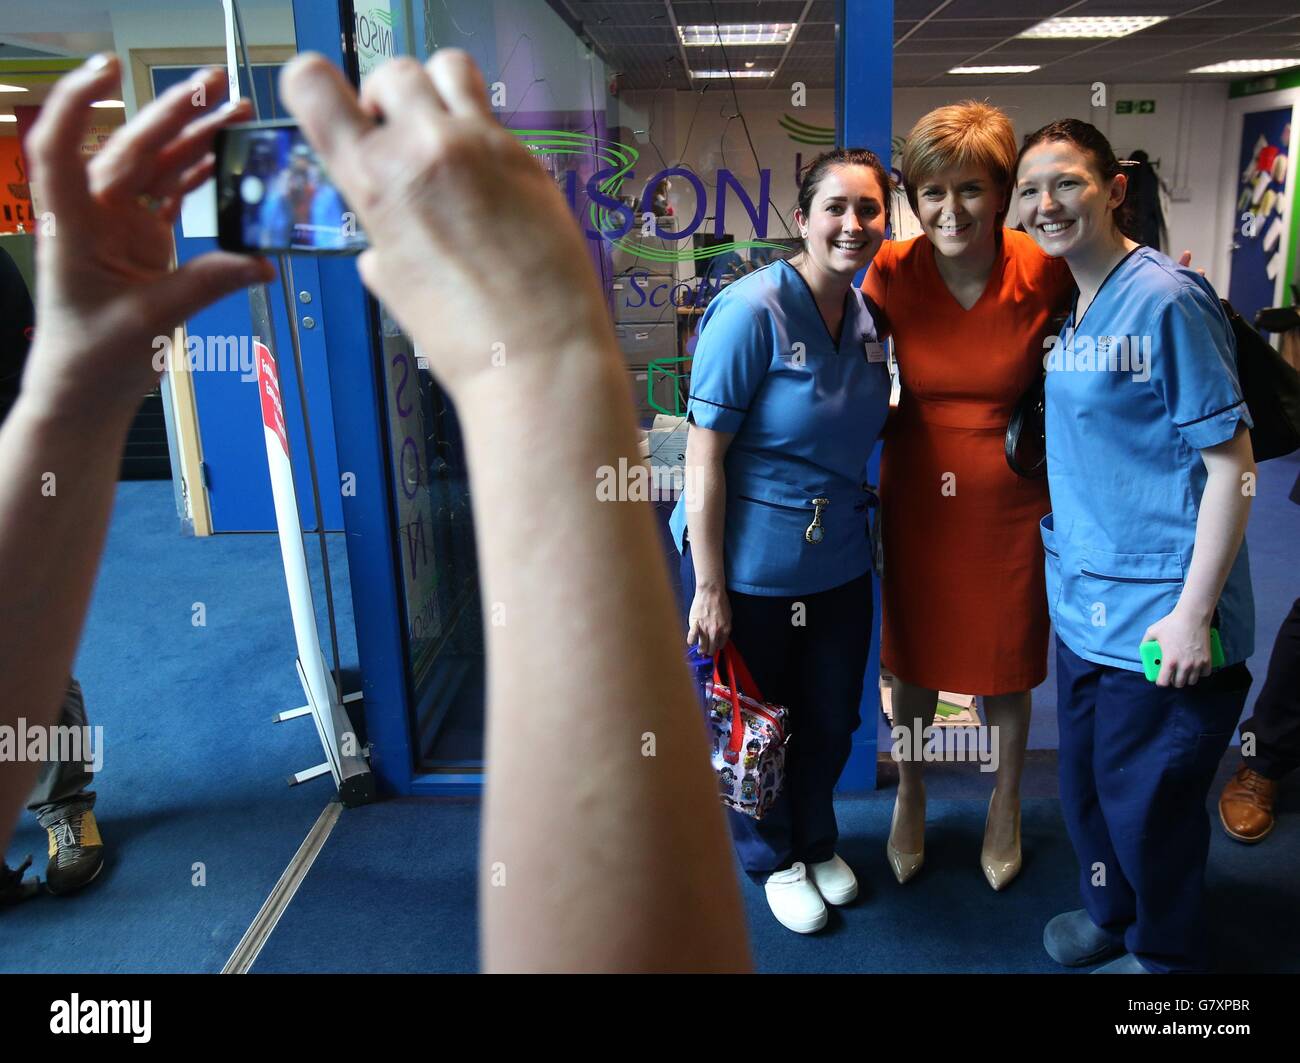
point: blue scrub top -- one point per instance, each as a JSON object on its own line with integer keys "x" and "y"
{"x": 1135, "y": 390}
{"x": 805, "y": 413}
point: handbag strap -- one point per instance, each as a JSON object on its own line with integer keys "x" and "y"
{"x": 1016, "y": 427}
{"x": 732, "y": 752}
{"x": 747, "y": 683}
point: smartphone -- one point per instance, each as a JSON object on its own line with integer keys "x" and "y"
{"x": 275, "y": 196}
{"x": 1150, "y": 653}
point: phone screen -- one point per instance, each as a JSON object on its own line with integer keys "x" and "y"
{"x": 274, "y": 195}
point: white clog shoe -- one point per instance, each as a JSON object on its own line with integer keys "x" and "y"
{"x": 794, "y": 900}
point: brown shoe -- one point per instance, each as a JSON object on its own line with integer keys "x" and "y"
{"x": 1246, "y": 805}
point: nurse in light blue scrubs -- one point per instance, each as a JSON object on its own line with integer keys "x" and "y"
{"x": 788, "y": 394}
{"x": 1151, "y": 475}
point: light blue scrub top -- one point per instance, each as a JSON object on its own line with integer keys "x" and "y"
{"x": 1122, "y": 458}
{"x": 805, "y": 419}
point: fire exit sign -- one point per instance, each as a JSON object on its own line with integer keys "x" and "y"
{"x": 1135, "y": 106}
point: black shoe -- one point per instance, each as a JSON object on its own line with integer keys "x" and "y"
{"x": 76, "y": 853}
{"x": 13, "y": 890}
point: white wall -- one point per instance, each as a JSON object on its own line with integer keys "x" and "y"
{"x": 1186, "y": 135}
{"x": 160, "y": 25}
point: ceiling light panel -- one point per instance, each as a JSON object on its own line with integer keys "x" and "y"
{"x": 736, "y": 33}
{"x": 1246, "y": 66}
{"x": 992, "y": 69}
{"x": 1089, "y": 28}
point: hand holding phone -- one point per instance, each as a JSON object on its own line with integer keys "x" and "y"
{"x": 1151, "y": 658}
{"x": 274, "y": 196}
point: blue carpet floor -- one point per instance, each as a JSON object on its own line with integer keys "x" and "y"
{"x": 194, "y": 770}
{"x": 194, "y": 774}
{"x": 394, "y": 890}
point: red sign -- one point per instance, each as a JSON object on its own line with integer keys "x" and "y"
{"x": 268, "y": 384}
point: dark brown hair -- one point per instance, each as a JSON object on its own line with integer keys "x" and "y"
{"x": 842, "y": 157}
{"x": 1089, "y": 139}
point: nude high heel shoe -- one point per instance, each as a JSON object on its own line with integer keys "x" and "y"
{"x": 998, "y": 869}
{"x": 904, "y": 865}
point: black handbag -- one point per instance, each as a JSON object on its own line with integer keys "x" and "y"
{"x": 1271, "y": 389}
{"x": 1026, "y": 440}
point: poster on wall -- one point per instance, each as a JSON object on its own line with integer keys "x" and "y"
{"x": 16, "y": 212}
{"x": 1259, "y": 240}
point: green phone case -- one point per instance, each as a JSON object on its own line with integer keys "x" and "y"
{"x": 1150, "y": 652}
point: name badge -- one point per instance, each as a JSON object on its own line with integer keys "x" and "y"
{"x": 875, "y": 351}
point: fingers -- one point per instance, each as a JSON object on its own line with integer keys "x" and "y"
{"x": 191, "y": 146}
{"x": 1185, "y": 259}
{"x": 54, "y": 143}
{"x": 204, "y": 280}
{"x": 693, "y": 635}
{"x": 326, "y": 107}
{"x": 130, "y": 160}
{"x": 182, "y": 184}
{"x": 459, "y": 82}
{"x": 402, "y": 87}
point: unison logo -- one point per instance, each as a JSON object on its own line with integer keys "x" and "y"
{"x": 375, "y": 31}
{"x": 613, "y": 220}
{"x": 804, "y": 133}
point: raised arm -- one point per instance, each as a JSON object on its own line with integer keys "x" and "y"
{"x": 603, "y": 846}
{"x": 104, "y": 291}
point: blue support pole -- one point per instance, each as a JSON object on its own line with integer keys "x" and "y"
{"x": 864, "y": 107}
{"x": 356, "y": 387}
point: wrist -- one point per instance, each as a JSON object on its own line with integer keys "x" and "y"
{"x": 573, "y": 386}
{"x": 73, "y": 414}
{"x": 65, "y": 385}
{"x": 1198, "y": 614}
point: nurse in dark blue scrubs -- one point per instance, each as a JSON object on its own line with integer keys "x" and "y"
{"x": 789, "y": 391}
{"x": 1151, "y": 476}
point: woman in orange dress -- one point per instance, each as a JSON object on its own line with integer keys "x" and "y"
{"x": 964, "y": 607}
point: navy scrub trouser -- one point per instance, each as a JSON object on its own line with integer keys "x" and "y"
{"x": 1136, "y": 764}
{"x": 816, "y": 670}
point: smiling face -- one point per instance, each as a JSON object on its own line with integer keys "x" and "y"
{"x": 960, "y": 210}
{"x": 846, "y": 224}
{"x": 1065, "y": 203}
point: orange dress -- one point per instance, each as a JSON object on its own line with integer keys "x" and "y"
{"x": 964, "y": 606}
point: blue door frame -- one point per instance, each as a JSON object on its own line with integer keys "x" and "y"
{"x": 361, "y": 434}
{"x": 864, "y": 110}
{"x": 863, "y": 116}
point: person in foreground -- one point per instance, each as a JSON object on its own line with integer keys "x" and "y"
{"x": 1151, "y": 474}
{"x": 580, "y": 828}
